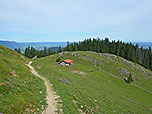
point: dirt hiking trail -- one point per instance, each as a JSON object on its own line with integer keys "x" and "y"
{"x": 51, "y": 96}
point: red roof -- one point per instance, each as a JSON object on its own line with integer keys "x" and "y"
{"x": 68, "y": 61}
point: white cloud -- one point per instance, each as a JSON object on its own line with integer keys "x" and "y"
{"x": 49, "y": 16}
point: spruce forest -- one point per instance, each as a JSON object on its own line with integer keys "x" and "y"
{"x": 126, "y": 50}
{"x": 30, "y": 52}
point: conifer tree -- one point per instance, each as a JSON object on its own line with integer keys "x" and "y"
{"x": 145, "y": 59}
{"x": 151, "y": 62}
{"x": 15, "y": 49}
{"x": 75, "y": 46}
{"x": 133, "y": 55}
{"x": 19, "y": 50}
{"x": 45, "y": 51}
{"x": 40, "y": 53}
{"x": 80, "y": 46}
{"x": 122, "y": 52}
{"x": 106, "y": 45}
{"x": 137, "y": 52}
{"x": 27, "y": 53}
{"x": 150, "y": 58}
{"x": 67, "y": 47}
{"x": 60, "y": 49}
{"x": 117, "y": 52}
{"x": 148, "y": 62}
{"x": 130, "y": 79}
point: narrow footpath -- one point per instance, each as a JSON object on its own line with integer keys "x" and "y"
{"x": 51, "y": 96}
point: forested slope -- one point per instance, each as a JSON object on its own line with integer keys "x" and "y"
{"x": 126, "y": 50}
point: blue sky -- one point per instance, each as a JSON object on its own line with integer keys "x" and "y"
{"x": 74, "y": 20}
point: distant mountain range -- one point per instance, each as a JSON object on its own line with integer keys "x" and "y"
{"x": 10, "y": 44}
{"x": 53, "y": 45}
{"x": 38, "y": 45}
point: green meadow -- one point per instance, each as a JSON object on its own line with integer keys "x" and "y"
{"x": 94, "y": 83}
{"x": 20, "y": 91}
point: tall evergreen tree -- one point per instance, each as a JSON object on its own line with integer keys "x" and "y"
{"x": 133, "y": 56}
{"x": 145, "y": 59}
{"x": 27, "y": 52}
{"x": 67, "y": 47}
{"x": 150, "y": 58}
{"x": 151, "y": 62}
{"x": 19, "y": 50}
{"x": 15, "y": 49}
{"x": 40, "y": 53}
{"x": 122, "y": 52}
{"x": 75, "y": 46}
{"x": 45, "y": 51}
{"x": 148, "y": 61}
{"x": 137, "y": 52}
{"x": 60, "y": 49}
{"x": 80, "y": 46}
{"x": 117, "y": 52}
{"x": 94, "y": 43}
{"x": 106, "y": 45}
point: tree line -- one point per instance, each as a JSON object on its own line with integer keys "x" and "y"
{"x": 30, "y": 52}
{"x": 18, "y": 50}
{"x": 128, "y": 51}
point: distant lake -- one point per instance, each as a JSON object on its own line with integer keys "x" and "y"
{"x": 38, "y": 45}
{"x": 144, "y": 44}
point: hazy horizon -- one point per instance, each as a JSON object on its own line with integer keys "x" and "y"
{"x": 70, "y": 41}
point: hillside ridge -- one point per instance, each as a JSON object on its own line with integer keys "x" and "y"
{"x": 20, "y": 90}
{"x": 94, "y": 83}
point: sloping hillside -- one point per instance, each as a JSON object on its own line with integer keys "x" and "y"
{"x": 20, "y": 91}
{"x": 94, "y": 84}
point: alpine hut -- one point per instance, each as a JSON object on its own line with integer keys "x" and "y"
{"x": 67, "y": 62}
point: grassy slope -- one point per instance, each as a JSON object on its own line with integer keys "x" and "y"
{"x": 96, "y": 91}
{"x": 19, "y": 89}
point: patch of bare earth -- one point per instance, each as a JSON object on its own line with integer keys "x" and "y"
{"x": 79, "y": 72}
